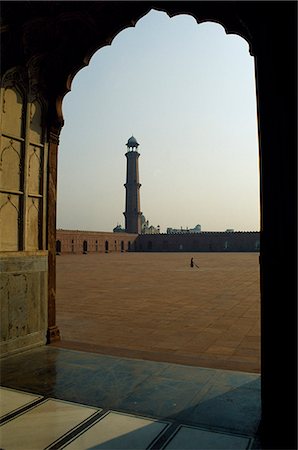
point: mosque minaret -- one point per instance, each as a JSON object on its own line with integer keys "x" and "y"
{"x": 132, "y": 212}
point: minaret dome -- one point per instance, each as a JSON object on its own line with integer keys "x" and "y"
{"x": 132, "y": 143}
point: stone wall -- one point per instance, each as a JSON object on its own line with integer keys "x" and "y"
{"x": 71, "y": 241}
{"x": 242, "y": 241}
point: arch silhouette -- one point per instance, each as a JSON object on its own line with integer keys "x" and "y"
{"x": 85, "y": 246}
{"x": 58, "y": 247}
{"x": 235, "y": 26}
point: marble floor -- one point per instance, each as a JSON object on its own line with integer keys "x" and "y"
{"x": 54, "y": 398}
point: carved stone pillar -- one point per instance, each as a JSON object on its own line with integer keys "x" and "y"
{"x": 53, "y": 333}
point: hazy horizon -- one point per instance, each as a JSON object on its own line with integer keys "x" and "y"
{"x": 187, "y": 93}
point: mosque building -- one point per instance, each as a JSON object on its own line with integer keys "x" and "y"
{"x": 140, "y": 235}
{"x": 196, "y": 229}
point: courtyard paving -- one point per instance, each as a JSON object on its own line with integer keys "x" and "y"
{"x": 154, "y": 306}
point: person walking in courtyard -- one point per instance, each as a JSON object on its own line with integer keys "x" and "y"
{"x": 192, "y": 264}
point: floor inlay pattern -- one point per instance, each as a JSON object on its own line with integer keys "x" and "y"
{"x": 40, "y": 426}
{"x": 119, "y": 431}
{"x": 11, "y": 401}
{"x": 58, "y": 424}
{"x": 192, "y": 438}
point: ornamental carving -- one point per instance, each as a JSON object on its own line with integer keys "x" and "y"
{"x": 37, "y": 82}
{"x": 7, "y": 148}
{"x": 16, "y": 78}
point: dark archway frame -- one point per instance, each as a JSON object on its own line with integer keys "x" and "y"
{"x": 54, "y": 40}
{"x": 85, "y": 246}
{"x": 58, "y": 247}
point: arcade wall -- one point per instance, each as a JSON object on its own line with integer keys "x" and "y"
{"x": 242, "y": 241}
{"x": 75, "y": 241}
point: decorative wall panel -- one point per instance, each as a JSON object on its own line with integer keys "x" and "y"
{"x": 36, "y": 125}
{"x": 35, "y": 166}
{"x": 33, "y": 223}
{"x": 9, "y": 222}
{"x": 12, "y": 170}
{"x": 12, "y": 109}
{"x": 17, "y": 318}
{"x": 23, "y": 166}
{"x": 17, "y": 292}
{"x": 23, "y": 287}
{"x": 36, "y": 175}
{"x": 11, "y": 164}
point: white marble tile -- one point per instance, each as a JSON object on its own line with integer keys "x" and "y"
{"x": 119, "y": 431}
{"x": 42, "y": 425}
{"x": 12, "y": 400}
{"x": 191, "y": 438}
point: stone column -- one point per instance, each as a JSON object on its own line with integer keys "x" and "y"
{"x": 53, "y": 333}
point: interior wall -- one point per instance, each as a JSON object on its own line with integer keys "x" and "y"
{"x": 23, "y": 182}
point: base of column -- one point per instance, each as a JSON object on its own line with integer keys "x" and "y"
{"x": 53, "y": 334}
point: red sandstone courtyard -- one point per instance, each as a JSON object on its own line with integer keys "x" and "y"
{"x": 155, "y": 306}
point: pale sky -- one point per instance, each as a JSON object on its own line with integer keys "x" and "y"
{"x": 187, "y": 94}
